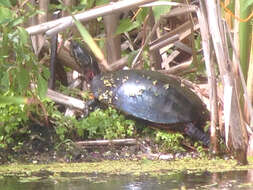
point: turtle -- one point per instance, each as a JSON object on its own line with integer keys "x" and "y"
{"x": 149, "y": 96}
{"x": 153, "y": 97}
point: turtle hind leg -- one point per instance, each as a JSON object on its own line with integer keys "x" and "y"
{"x": 197, "y": 134}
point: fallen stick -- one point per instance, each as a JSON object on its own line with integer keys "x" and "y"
{"x": 107, "y": 142}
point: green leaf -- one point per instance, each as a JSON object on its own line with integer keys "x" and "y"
{"x": 126, "y": 25}
{"x": 18, "y": 21}
{"x": 12, "y": 100}
{"x": 42, "y": 87}
{"x": 231, "y": 6}
{"x": 142, "y": 15}
{"x": 5, "y": 3}
{"x": 5, "y": 15}
{"x": 46, "y": 73}
{"x": 101, "y": 2}
{"x": 86, "y": 3}
{"x": 246, "y": 4}
{"x": 83, "y": 2}
{"x": 4, "y": 83}
{"x": 23, "y": 78}
{"x": 160, "y": 10}
{"x": 23, "y": 34}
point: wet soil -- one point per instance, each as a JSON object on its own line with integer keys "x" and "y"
{"x": 41, "y": 147}
{"x": 41, "y": 151}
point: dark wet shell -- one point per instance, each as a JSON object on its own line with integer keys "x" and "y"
{"x": 149, "y": 95}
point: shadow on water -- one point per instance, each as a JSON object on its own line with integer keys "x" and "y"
{"x": 222, "y": 180}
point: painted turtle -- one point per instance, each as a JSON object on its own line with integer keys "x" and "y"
{"x": 150, "y": 96}
{"x": 153, "y": 97}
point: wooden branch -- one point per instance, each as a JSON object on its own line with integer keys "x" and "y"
{"x": 171, "y": 57}
{"x": 210, "y": 70}
{"x": 177, "y": 69}
{"x": 108, "y": 142}
{"x": 183, "y": 31}
{"x": 112, "y": 41}
{"x": 234, "y": 124}
{"x": 236, "y": 62}
{"x": 65, "y": 22}
{"x": 180, "y": 11}
{"x": 182, "y": 46}
{"x": 119, "y": 63}
{"x": 165, "y": 42}
{"x": 66, "y": 100}
{"x": 155, "y": 56}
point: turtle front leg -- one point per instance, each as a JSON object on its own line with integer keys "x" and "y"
{"x": 197, "y": 134}
{"x": 90, "y": 106}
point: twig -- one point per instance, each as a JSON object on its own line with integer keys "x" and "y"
{"x": 164, "y": 42}
{"x": 145, "y": 43}
{"x": 179, "y": 11}
{"x": 170, "y": 58}
{"x": 183, "y": 47}
{"x": 177, "y": 69}
{"x": 183, "y": 31}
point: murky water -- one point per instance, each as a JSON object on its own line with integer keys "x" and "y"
{"x": 215, "y": 181}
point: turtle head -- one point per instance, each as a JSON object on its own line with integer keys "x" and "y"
{"x": 85, "y": 60}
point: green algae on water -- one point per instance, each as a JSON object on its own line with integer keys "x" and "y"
{"x": 123, "y": 167}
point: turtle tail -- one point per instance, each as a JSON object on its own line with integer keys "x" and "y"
{"x": 197, "y": 134}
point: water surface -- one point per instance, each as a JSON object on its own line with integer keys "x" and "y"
{"x": 205, "y": 180}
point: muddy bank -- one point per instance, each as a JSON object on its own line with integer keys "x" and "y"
{"x": 42, "y": 151}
